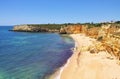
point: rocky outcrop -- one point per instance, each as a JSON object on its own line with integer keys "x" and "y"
{"x": 88, "y": 29}
{"x": 30, "y": 28}
{"x": 25, "y": 28}
{"x": 73, "y": 29}
{"x": 63, "y": 30}
{"x": 69, "y": 29}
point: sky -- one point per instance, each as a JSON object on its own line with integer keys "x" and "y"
{"x": 14, "y": 12}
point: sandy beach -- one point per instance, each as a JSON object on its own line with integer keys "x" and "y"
{"x": 84, "y": 65}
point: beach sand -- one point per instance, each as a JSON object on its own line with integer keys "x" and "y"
{"x": 84, "y": 65}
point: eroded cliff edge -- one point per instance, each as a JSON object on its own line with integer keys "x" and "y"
{"x": 90, "y": 62}
{"x": 89, "y": 29}
{"x": 96, "y": 54}
{"x": 52, "y": 28}
{"x": 36, "y": 28}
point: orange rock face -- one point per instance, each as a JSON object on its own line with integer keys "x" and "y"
{"x": 73, "y": 29}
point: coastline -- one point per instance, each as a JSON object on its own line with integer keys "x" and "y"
{"x": 58, "y": 72}
{"x": 84, "y": 65}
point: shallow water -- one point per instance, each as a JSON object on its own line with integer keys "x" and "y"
{"x": 32, "y": 55}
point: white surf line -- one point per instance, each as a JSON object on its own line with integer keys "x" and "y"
{"x": 68, "y": 61}
{"x": 62, "y": 68}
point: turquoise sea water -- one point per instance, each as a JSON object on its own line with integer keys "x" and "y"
{"x": 31, "y": 55}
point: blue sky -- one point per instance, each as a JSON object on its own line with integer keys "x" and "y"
{"x": 58, "y": 11}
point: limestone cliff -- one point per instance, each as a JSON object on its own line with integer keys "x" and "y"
{"x": 68, "y": 29}
{"x": 73, "y": 29}
{"x": 33, "y": 28}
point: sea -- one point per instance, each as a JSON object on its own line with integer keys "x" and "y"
{"x": 25, "y": 55}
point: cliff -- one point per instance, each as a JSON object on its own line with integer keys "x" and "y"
{"x": 34, "y": 28}
{"x": 73, "y": 29}
{"x": 97, "y": 57}
{"x": 84, "y": 64}
{"x": 90, "y": 30}
{"x": 59, "y": 28}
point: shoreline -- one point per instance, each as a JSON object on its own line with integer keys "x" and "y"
{"x": 58, "y": 72}
{"x": 76, "y": 49}
{"x": 61, "y": 69}
{"x": 84, "y": 65}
